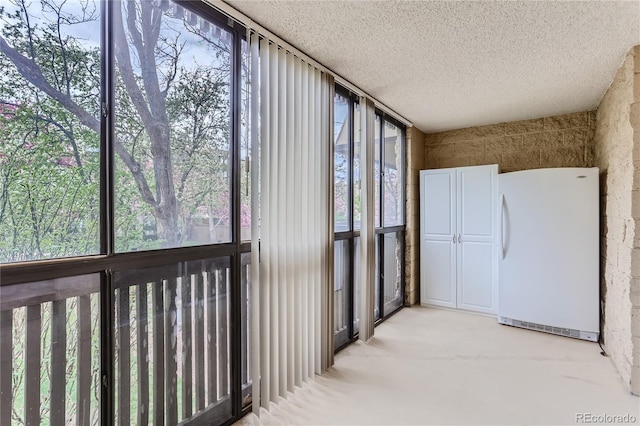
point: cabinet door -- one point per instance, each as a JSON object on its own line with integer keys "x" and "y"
{"x": 476, "y": 224}
{"x": 438, "y": 230}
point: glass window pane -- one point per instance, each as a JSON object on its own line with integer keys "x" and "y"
{"x": 341, "y": 162}
{"x": 172, "y": 122}
{"x": 341, "y": 292}
{"x": 376, "y": 173}
{"x": 356, "y": 284}
{"x": 245, "y": 147}
{"x": 377, "y": 279}
{"x": 245, "y": 309}
{"x": 50, "y": 150}
{"x": 393, "y": 260}
{"x": 393, "y": 176}
{"x": 356, "y": 168}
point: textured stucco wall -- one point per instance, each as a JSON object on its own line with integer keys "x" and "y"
{"x": 634, "y": 290}
{"x": 557, "y": 141}
{"x": 617, "y": 154}
{"x": 415, "y": 163}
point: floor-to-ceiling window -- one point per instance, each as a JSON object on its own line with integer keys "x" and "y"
{"x": 388, "y": 215}
{"x": 123, "y": 174}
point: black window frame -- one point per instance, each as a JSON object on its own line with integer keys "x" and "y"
{"x": 108, "y": 261}
{"x": 380, "y": 231}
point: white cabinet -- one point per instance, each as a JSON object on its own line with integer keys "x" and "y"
{"x": 458, "y": 258}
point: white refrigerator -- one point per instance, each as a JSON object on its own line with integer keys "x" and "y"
{"x": 548, "y": 249}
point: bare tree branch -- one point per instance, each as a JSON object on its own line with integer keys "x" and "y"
{"x": 126, "y": 69}
{"x": 173, "y": 57}
{"x": 29, "y": 29}
{"x": 32, "y": 73}
{"x": 65, "y": 60}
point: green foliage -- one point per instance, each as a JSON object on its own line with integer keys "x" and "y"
{"x": 50, "y": 159}
{"x": 50, "y": 202}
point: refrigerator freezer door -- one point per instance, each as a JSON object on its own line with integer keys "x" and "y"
{"x": 549, "y": 247}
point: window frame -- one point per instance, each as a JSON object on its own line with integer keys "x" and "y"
{"x": 380, "y": 230}
{"x": 108, "y": 261}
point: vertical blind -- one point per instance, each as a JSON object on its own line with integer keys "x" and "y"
{"x": 367, "y": 225}
{"x": 292, "y": 221}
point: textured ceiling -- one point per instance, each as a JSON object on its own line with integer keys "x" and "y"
{"x": 451, "y": 64}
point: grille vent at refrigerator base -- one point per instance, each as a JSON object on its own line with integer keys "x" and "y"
{"x": 567, "y": 332}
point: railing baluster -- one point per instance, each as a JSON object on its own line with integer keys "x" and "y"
{"x": 58, "y": 361}
{"x": 6, "y": 366}
{"x": 223, "y": 324}
{"x": 187, "y": 372}
{"x": 84, "y": 360}
{"x": 212, "y": 331}
{"x": 142, "y": 354}
{"x": 171, "y": 343}
{"x": 124, "y": 358}
{"x": 157, "y": 292}
{"x": 338, "y": 310}
{"x": 32, "y": 369}
{"x": 199, "y": 341}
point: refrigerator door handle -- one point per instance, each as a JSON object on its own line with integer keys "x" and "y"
{"x": 502, "y": 226}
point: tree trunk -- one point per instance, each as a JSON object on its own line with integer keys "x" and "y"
{"x": 168, "y": 230}
{"x": 151, "y": 107}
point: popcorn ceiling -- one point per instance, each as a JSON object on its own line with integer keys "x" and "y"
{"x": 449, "y": 65}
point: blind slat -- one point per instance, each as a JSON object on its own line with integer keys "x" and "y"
{"x": 318, "y": 218}
{"x": 298, "y": 220}
{"x": 367, "y": 233}
{"x": 304, "y": 212}
{"x": 273, "y": 224}
{"x": 312, "y": 212}
{"x": 255, "y": 212}
{"x": 265, "y": 227}
{"x": 281, "y": 206}
{"x": 290, "y": 179}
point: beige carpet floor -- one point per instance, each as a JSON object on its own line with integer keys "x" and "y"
{"x": 433, "y": 366}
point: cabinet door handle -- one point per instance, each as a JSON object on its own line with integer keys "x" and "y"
{"x": 502, "y": 226}
{"x": 454, "y": 238}
{"x": 459, "y": 239}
